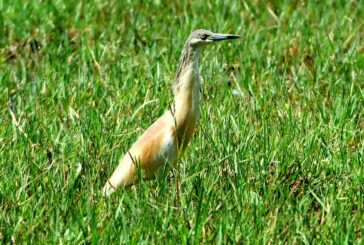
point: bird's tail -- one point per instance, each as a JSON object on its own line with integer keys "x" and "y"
{"x": 124, "y": 175}
{"x": 108, "y": 189}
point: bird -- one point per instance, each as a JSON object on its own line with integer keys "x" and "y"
{"x": 167, "y": 137}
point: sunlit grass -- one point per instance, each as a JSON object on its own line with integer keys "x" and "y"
{"x": 278, "y": 155}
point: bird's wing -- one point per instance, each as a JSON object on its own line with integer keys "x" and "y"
{"x": 155, "y": 143}
{"x": 153, "y": 148}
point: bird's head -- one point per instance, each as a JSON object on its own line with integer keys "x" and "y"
{"x": 203, "y": 37}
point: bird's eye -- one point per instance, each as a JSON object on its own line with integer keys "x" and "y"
{"x": 203, "y": 36}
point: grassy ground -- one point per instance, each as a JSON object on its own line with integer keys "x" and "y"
{"x": 278, "y": 155}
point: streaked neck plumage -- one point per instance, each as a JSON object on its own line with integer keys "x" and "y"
{"x": 187, "y": 71}
{"x": 186, "y": 88}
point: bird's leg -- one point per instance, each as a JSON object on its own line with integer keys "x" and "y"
{"x": 178, "y": 186}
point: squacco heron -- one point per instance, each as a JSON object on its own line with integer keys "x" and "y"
{"x": 169, "y": 135}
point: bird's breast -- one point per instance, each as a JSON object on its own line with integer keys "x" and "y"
{"x": 168, "y": 151}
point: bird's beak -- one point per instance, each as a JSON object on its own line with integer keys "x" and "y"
{"x": 219, "y": 37}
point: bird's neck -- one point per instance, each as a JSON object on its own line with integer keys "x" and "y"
{"x": 186, "y": 94}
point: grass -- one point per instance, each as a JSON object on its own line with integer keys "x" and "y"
{"x": 278, "y": 156}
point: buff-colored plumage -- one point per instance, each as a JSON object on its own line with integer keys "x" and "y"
{"x": 168, "y": 136}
